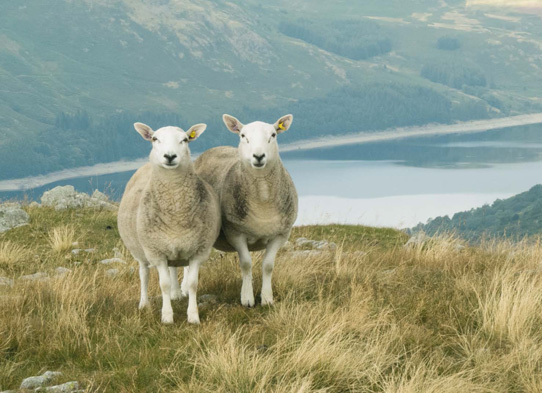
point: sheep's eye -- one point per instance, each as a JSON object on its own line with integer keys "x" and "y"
{"x": 184, "y": 141}
{"x": 273, "y": 135}
{"x": 242, "y": 135}
{"x": 154, "y": 139}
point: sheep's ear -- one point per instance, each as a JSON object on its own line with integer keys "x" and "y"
{"x": 145, "y": 131}
{"x": 232, "y": 123}
{"x": 195, "y": 131}
{"x": 283, "y": 123}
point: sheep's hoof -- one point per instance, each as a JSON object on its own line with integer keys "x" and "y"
{"x": 144, "y": 304}
{"x": 193, "y": 318}
{"x": 167, "y": 318}
{"x": 267, "y": 301}
{"x": 248, "y": 302}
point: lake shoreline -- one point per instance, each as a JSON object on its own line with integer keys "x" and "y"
{"x": 28, "y": 183}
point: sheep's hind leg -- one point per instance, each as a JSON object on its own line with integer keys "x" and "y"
{"x": 267, "y": 269}
{"x": 175, "y": 289}
{"x": 144, "y": 278}
{"x": 245, "y": 261}
{"x": 165, "y": 286}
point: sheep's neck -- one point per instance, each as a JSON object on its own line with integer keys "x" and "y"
{"x": 171, "y": 188}
{"x": 264, "y": 182}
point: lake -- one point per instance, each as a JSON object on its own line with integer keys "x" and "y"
{"x": 397, "y": 183}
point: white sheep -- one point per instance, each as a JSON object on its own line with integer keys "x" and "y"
{"x": 169, "y": 217}
{"x": 258, "y": 199}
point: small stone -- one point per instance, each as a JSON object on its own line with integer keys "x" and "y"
{"x": 305, "y": 253}
{"x": 68, "y": 387}
{"x": 90, "y": 250}
{"x": 60, "y": 271}
{"x": 39, "y": 381}
{"x": 4, "y": 281}
{"x": 288, "y": 246}
{"x": 39, "y": 276}
{"x": 77, "y": 263}
{"x": 76, "y": 251}
{"x": 111, "y": 273}
{"x": 112, "y": 260}
{"x": 208, "y": 298}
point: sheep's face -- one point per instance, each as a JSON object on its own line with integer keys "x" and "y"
{"x": 258, "y": 141}
{"x": 169, "y": 144}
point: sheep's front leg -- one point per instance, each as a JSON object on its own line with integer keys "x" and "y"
{"x": 192, "y": 287}
{"x": 144, "y": 278}
{"x": 245, "y": 261}
{"x": 184, "y": 283}
{"x": 175, "y": 289}
{"x": 268, "y": 264}
{"x": 165, "y": 286}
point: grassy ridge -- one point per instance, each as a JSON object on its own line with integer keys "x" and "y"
{"x": 431, "y": 318}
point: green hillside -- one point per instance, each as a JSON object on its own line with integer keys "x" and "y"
{"x": 515, "y": 217}
{"x": 348, "y": 65}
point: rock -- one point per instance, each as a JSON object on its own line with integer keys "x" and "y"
{"x": 68, "y": 387}
{"x": 417, "y": 239}
{"x": 208, "y": 298}
{"x": 303, "y": 242}
{"x": 305, "y": 253}
{"x": 12, "y": 216}
{"x": 112, "y": 260}
{"x": 76, "y": 251}
{"x": 39, "y": 276}
{"x": 34, "y": 204}
{"x": 90, "y": 250}
{"x": 111, "y": 273}
{"x": 39, "y": 381}
{"x": 60, "y": 271}
{"x": 65, "y": 197}
{"x": 288, "y": 246}
{"x": 4, "y": 281}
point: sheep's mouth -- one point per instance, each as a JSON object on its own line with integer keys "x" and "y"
{"x": 259, "y": 165}
{"x": 171, "y": 165}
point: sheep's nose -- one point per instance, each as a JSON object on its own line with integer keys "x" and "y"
{"x": 259, "y": 158}
{"x": 170, "y": 158}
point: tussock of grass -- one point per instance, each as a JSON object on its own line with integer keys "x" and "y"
{"x": 434, "y": 318}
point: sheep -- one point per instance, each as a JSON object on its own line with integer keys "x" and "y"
{"x": 258, "y": 199}
{"x": 169, "y": 217}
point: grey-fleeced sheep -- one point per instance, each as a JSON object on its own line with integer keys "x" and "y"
{"x": 258, "y": 199}
{"x": 169, "y": 217}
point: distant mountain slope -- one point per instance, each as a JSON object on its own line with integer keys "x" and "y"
{"x": 515, "y": 217}
{"x": 121, "y": 61}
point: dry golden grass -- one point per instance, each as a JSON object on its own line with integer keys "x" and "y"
{"x": 11, "y": 256}
{"x": 434, "y": 318}
{"x": 61, "y": 238}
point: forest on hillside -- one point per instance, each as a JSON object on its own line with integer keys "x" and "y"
{"x": 515, "y": 217}
{"x": 82, "y": 138}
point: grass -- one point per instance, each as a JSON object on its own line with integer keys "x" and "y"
{"x": 433, "y": 318}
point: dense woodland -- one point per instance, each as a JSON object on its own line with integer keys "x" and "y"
{"x": 81, "y": 138}
{"x": 357, "y": 40}
{"x": 515, "y": 217}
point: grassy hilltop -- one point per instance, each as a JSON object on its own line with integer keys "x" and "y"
{"x": 434, "y": 317}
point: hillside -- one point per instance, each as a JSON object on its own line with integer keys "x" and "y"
{"x": 515, "y": 217}
{"x": 76, "y": 75}
{"x": 370, "y": 315}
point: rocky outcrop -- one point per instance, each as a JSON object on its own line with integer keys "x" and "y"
{"x": 12, "y": 216}
{"x": 65, "y": 197}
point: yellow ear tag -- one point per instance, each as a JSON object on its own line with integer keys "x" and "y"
{"x": 281, "y": 126}
{"x": 193, "y": 134}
